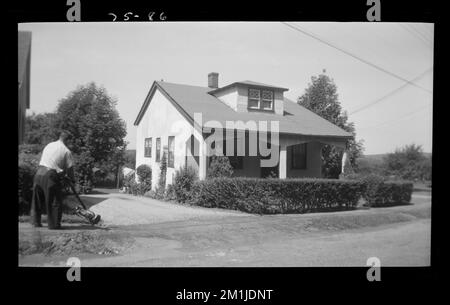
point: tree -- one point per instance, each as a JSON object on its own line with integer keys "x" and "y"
{"x": 408, "y": 162}
{"x": 321, "y": 98}
{"x": 39, "y": 129}
{"x": 96, "y": 131}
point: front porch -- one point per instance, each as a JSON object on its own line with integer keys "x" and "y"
{"x": 298, "y": 155}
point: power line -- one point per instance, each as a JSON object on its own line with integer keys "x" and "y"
{"x": 356, "y": 57}
{"x": 414, "y": 34}
{"x": 388, "y": 94}
{"x": 421, "y": 34}
{"x": 384, "y": 124}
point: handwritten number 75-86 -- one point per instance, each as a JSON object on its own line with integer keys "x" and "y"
{"x": 127, "y": 16}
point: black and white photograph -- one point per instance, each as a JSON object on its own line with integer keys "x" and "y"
{"x": 225, "y": 144}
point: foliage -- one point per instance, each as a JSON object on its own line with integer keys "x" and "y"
{"x": 39, "y": 129}
{"x": 183, "y": 182}
{"x": 96, "y": 132}
{"x": 162, "y": 172}
{"x": 220, "y": 166}
{"x": 379, "y": 191}
{"x": 267, "y": 196}
{"x": 321, "y": 97}
{"x": 409, "y": 163}
{"x": 144, "y": 173}
{"x": 388, "y": 193}
{"x": 130, "y": 158}
{"x": 29, "y": 157}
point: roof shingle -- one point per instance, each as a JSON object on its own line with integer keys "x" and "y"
{"x": 296, "y": 119}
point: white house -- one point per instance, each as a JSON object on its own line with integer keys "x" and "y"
{"x": 191, "y": 123}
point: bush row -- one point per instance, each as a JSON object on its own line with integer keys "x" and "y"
{"x": 388, "y": 193}
{"x": 379, "y": 191}
{"x": 269, "y": 196}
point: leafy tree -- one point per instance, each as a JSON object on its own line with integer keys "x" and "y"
{"x": 220, "y": 166}
{"x": 96, "y": 132}
{"x": 408, "y": 162}
{"x": 39, "y": 129}
{"x": 321, "y": 97}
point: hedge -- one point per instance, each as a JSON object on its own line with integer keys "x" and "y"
{"x": 379, "y": 191}
{"x": 388, "y": 193}
{"x": 270, "y": 196}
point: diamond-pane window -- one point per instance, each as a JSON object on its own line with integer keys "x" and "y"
{"x": 253, "y": 94}
{"x": 267, "y": 95}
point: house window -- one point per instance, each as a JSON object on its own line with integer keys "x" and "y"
{"x": 171, "y": 157}
{"x": 148, "y": 148}
{"x": 260, "y": 99}
{"x": 158, "y": 149}
{"x": 298, "y": 157}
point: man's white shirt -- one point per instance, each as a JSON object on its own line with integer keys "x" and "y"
{"x": 56, "y": 156}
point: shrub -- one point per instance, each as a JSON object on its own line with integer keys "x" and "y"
{"x": 183, "y": 183}
{"x": 388, "y": 193}
{"x": 144, "y": 173}
{"x": 380, "y": 191}
{"x": 268, "y": 196}
{"x": 28, "y": 164}
{"x": 220, "y": 166}
{"x": 162, "y": 172}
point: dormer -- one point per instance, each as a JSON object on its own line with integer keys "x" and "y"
{"x": 248, "y": 96}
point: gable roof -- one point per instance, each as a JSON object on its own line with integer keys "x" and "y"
{"x": 191, "y": 99}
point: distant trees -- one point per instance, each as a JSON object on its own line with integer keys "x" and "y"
{"x": 39, "y": 129}
{"x": 408, "y": 162}
{"x": 321, "y": 97}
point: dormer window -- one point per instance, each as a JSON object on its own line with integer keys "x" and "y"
{"x": 260, "y": 99}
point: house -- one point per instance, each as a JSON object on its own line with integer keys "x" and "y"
{"x": 24, "y": 60}
{"x": 180, "y": 121}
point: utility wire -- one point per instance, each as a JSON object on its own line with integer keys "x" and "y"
{"x": 414, "y": 34}
{"x": 389, "y": 94}
{"x": 354, "y": 56}
{"x": 391, "y": 122}
{"x": 421, "y": 34}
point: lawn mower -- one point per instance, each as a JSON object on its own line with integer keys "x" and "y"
{"x": 82, "y": 211}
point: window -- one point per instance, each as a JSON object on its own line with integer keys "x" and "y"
{"x": 148, "y": 148}
{"x": 158, "y": 149}
{"x": 171, "y": 157}
{"x": 298, "y": 157}
{"x": 260, "y": 99}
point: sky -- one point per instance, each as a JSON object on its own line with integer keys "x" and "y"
{"x": 126, "y": 58}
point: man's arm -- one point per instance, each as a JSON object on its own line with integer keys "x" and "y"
{"x": 69, "y": 167}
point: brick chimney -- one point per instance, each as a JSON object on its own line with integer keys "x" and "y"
{"x": 213, "y": 80}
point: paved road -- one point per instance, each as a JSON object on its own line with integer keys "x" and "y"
{"x": 167, "y": 234}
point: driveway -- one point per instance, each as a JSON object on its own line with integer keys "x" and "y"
{"x": 122, "y": 209}
{"x": 152, "y": 233}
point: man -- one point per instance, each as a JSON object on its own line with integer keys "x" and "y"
{"x": 56, "y": 161}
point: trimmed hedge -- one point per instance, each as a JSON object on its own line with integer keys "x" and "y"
{"x": 270, "y": 196}
{"x": 379, "y": 191}
{"x": 388, "y": 193}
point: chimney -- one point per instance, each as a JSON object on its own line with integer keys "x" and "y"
{"x": 213, "y": 80}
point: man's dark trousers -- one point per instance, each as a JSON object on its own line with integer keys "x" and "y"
{"x": 47, "y": 197}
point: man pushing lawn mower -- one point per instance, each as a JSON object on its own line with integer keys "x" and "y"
{"x": 55, "y": 169}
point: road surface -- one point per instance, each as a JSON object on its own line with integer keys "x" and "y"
{"x": 169, "y": 235}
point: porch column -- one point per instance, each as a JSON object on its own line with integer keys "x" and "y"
{"x": 202, "y": 160}
{"x": 282, "y": 170}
